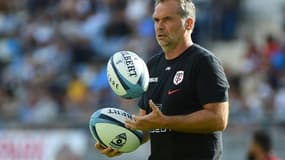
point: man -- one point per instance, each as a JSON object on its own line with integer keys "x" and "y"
{"x": 186, "y": 106}
{"x": 261, "y": 147}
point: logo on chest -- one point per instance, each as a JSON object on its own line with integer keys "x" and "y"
{"x": 178, "y": 78}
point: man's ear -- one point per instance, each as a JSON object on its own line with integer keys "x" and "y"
{"x": 189, "y": 24}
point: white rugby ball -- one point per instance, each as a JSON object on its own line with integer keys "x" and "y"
{"x": 107, "y": 126}
{"x": 127, "y": 74}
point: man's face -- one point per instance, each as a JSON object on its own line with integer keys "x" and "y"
{"x": 169, "y": 25}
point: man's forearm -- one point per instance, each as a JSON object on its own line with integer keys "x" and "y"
{"x": 203, "y": 121}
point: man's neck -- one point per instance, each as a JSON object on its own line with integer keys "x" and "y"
{"x": 173, "y": 53}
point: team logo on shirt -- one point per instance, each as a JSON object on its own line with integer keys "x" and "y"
{"x": 178, "y": 78}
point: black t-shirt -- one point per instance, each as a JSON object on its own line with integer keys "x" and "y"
{"x": 182, "y": 86}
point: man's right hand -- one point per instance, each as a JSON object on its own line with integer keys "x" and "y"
{"x": 109, "y": 152}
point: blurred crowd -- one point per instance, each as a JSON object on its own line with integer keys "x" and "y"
{"x": 53, "y": 56}
{"x": 258, "y": 89}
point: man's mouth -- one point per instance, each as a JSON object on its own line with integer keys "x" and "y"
{"x": 160, "y": 36}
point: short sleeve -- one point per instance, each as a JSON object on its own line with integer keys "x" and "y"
{"x": 212, "y": 84}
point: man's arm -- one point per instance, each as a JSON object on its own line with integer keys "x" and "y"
{"x": 213, "y": 117}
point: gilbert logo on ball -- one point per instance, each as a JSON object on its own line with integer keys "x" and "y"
{"x": 107, "y": 126}
{"x": 127, "y": 74}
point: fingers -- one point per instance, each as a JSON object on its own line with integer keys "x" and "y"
{"x": 131, "y": 123}
{"x": 153, "y": 106}
{"x": 128, "y": 124}
{"x": 108, "y": 151}
{"x": 143, "y": 122}
{"x": 112, "y": 152}
{"x": 99, "y": 146}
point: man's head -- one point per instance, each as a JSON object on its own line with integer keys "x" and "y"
{"x": 186, "y": 8}
{"x": 261, "y": 145}
{"x": 174, "y": 22}
{"x": 263, "y": 140}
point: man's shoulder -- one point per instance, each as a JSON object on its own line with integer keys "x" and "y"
{"x": 200, "y": 54}
{"x": 198, "y": 50}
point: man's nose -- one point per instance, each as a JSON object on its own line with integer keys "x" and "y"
{"x": 160, "y": 25}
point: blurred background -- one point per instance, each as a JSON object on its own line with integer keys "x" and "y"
{"x": 53, "y": 56}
